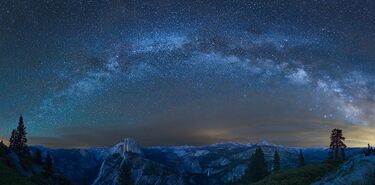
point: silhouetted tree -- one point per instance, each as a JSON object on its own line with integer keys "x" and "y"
{"x": 276, "y": 161}
{"x": 38, "y": 156}
{"x": 48, "y": 166}
{"x": 18, "y": 140}
{"x": 330, "y": 155}
{"x": 3, "y": 148}
{"x": 12, "y": 140}
{"x": 64, "y": 181}
{"x": 370, "y": 150}
{"x": 258, "y": 166}
{"x": 337, "y": 143}
{"x": 21, "y": 137}
{"x": 301, "y": 159}
{"x": 343, "y": 156}
{"x": 125, "y": 177}
{"x": 85, "y": 181}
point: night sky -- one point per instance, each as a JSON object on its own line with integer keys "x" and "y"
{"x": 89, "y": 73}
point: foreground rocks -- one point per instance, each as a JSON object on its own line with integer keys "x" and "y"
{"x": 358, "y": 170}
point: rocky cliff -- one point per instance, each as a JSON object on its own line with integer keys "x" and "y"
{"x": 358, "y": 170}
{"x": 182, "y": 165}
{"x": 127, "y": 146}
{"x": 143, "y": 171}
{"x": 186, "y": 165}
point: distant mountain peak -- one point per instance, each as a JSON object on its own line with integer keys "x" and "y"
{"x": 266, "y": 143}
{"x": 229, "y": 144}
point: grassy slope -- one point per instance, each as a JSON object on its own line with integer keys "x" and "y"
{"x": 298, "y": 176}
{"x": 10, "y": 176}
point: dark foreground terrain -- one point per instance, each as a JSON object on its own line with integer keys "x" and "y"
{"x": 218, "y": 164}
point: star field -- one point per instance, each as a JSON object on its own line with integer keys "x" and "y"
{"x": 188, "y": 72}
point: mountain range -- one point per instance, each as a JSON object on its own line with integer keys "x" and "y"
{"x": 215, "y": 164}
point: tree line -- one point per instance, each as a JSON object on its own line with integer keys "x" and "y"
{"x": 258, "y": 169}
{"x": 28, "y": 158}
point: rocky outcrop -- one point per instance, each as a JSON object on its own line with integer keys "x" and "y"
{"x": 205, "y": 165}
{"x": 80, "y": 166}
{"x": 127, "y": 146}
{"x": 358, "y": 170}
{"x": 214, "y": 164}
{"x": 143, "y": 171}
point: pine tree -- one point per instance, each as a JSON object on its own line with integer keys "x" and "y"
{"x": 38, "y": 156}
{"x": 371, "y": 150}
{"x": 343, "y": 156}
{"x": 12, "y": 140}
{"x": 21, "y": 140}
{"x": 3, "y": 148}
{"x": 125, "y": 175}
{"x": 330, "y": 155}
{"x": 64, "y": 181}
{"x": 85, "y": 181}
{"x": 301, "y": 159}
{"x": 258, "y": 166}
{"x": 276, "y": 161}
{"x": 337, "y": 142}
{"x": 48, "y": 167}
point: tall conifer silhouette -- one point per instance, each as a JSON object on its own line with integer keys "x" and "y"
{"x": 18, "y": 140}
{"x": 337, "y": 144}
{"x": 276, "y": 161}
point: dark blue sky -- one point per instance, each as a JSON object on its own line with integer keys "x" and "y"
{"x": 88, "y": 73}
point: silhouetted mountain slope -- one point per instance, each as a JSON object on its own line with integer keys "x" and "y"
{"x": 358, "y": 170}
{"x": 191, "y": 165}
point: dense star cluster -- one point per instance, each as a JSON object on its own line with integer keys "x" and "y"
{"x": 89, "y": 73}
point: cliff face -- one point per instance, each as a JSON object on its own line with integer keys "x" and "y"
{"x": 80, "y": 166}
{"x": 127, "y": 146}
{"x": 214, "y": 164}
{"x": 358, "y": 170}
{"x": 182, "y": 165}
{"x": 143, "y": 171}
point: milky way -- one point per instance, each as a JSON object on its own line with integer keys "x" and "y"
{"x": 88, "y": 73}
